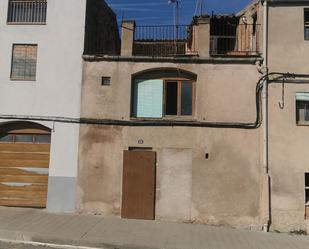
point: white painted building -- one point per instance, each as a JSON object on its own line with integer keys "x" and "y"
{"x": 41, "y": 47}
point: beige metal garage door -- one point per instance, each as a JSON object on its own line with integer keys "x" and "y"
{"x": 24, "y": 164}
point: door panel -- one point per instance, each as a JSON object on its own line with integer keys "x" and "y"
{"x": 138, "y": 188}
{"x": 24, "y": 169}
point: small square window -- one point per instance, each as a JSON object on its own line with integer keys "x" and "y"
{"x": 106, "y": 81}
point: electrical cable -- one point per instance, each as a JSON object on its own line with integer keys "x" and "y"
{"x": 173, "y": 123}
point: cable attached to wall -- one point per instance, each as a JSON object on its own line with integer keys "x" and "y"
{"x": 282, "y": 103}
{"x": 271, "y": 78}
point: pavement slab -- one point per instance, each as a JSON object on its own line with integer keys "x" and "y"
{"x": 112, "y": 233}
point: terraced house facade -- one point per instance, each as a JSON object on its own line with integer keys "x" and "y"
{"x": 172, "y": 130}
{"x": 203, "y": 123}
{"x": 42, "y": 43}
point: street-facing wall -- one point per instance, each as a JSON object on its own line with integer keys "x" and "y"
{"x": 203, "y": 174}
{"x": 56, "y": 90}
{"x": 288, "y": 142}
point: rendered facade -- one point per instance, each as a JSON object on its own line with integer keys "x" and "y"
{"x": 42, "y": 43}
{"x": 203, "y": 123}
{"x": 207, "y": 168}
{"x": 169, "y": 137}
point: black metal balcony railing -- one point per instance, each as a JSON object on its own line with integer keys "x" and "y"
{"x": 234, "y": 40}
{"x": 27, "y": 12}
{"x": 165, "y": 40}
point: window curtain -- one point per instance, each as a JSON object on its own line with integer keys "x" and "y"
{"x": 148, "y": 99}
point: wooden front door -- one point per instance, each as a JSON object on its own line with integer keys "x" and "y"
{"x": 138, "y": 188}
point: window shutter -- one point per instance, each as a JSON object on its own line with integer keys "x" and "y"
{"x": 148, "y": 99}
{"x": 24, "y": 61}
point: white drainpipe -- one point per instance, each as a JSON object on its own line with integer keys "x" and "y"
{"x": 266, "y": 199}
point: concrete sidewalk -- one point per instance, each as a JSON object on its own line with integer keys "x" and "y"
{"x": 96, "y": 231}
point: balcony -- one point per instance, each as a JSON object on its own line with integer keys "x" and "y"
{"x": 205, "y": 37}
{"x": 234, "y": 39}
{"x": 164, "y": 41}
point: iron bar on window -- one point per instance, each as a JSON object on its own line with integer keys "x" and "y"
{"x": 27, "y": 12}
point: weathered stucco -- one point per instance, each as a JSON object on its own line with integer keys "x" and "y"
{"x": 288, "y": 160}
{"x": 100, "y": 180}
{"x": 224, "y": 92}
{"x": 223, "y": 189}
{"x": 288, "y": 143}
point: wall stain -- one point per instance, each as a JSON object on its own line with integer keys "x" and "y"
{"x": 98, "y": 179}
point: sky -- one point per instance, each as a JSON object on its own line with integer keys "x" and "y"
{"x": 159, "y": 12}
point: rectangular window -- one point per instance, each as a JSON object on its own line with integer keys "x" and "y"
{"x": 148, "y": 100}
{"x": 171, "y": 101}
{"x": 178, "y": 98}
{"x": 23, "y": 138}
{"x": 5, "y": 138}
{"x": 148, "y": 96}
{"x": 307, "y": 196}
{"x": 42, "y": 139}
{"x": 306, "y": 23}
{"x": 24, "y": 59}
{"x": 186, "y": 98}
{"x": 27, "y": 12}
{"x": 302, "y": 108}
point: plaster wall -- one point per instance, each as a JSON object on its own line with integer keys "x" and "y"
{"x": 287, "y": 49}
{"x": 288, "y": 160}
{"x": 224, "y": 189}
{"x": 288, "y": 143}
{"x": 56, "y": 91}
{"x": 218, "y": 90}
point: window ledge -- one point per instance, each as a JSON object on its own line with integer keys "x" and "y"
{"x": 26, "y": 23}
{"x": 303, "y": 124}
{"x": 186, "y": 119}
{"x": 19, "y": 80}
